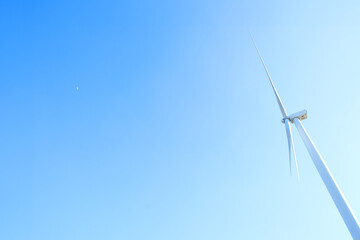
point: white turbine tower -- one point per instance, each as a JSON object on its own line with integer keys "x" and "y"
{"x": 339, "y": 199}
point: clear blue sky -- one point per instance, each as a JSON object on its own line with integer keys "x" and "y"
{"x": 174, "y": 132}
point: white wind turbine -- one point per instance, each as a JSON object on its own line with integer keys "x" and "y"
{"x": 339, "y": 199}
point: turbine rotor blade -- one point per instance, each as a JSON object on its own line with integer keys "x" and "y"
{"x": 291, "y": 146}
{"x": 281, "y": 105}
{"x": 288, "y": 134}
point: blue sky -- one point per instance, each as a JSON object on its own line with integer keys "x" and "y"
{"x": 174, "y": 132}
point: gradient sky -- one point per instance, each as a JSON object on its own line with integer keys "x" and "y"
{"x": 174, "y": 132}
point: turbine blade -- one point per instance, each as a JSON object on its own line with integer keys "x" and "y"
{"x": 282, "y": 108}
{"x": 288, "y": 134}
{"x": 291, "y": 146}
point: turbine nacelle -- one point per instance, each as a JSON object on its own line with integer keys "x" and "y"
{"x": 300, "y": 115}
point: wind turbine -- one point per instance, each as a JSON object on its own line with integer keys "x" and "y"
{"x": 335, "y": 192}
